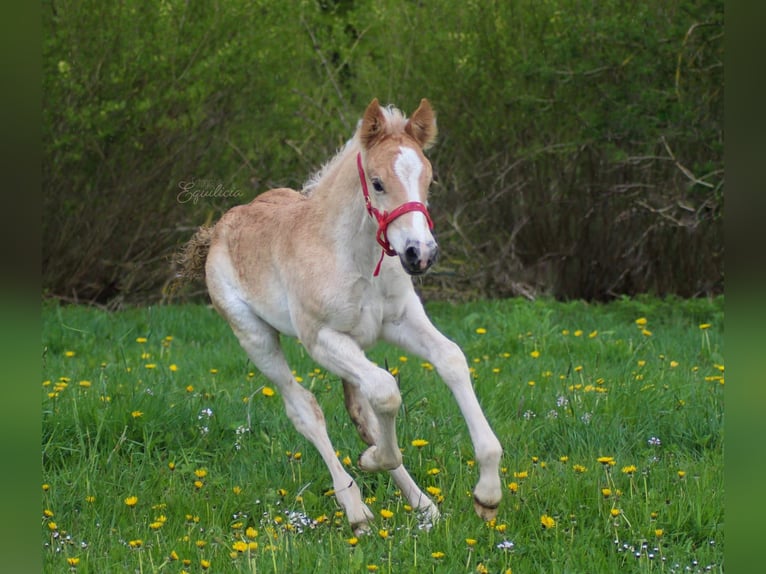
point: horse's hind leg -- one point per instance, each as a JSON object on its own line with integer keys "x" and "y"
{"x": 261, "y": 342}
{"x": 366, "y": 423}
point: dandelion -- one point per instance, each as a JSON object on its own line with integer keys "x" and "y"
{"x": 481, "y": 331}
{"x": 131, "y": 501}
{"x": 641, "y": 321}
{"x": 615, "y": 512}
{"x": 251, "y": 532}
{"x": 606, "y": 460}
{"x": 268, "y": 392}
{"x": 205, "y": 564}
{"x": 704, "y": 326}
{"x": 138, "y": 543}
{"x": 434, "y": 490}
{"x": 534, "y": 354}
{"x": 383, "y": 533}
{"x": 547, "y": 521}
{"x": 481, "y": 569}
{"x": 564, "y": 459}
{"x": 52, "y": 526}
{"x": 150, "y": 366}
{"x": 593, "y": 334}
{"x": 646, "y": 332}
{"x": 353, "y": 541}
{"x": 673, "y": 364}
{"x": 90, "y": 499}
{"x": 471, "y": 542}
{"x": 73, "y": 561}
{"x": 85, "y": 384}
{"x": 438, "y": 555}
{"x": 606, "y": 492}
{"x": 579, "y": 469}
{"x": 629, "y": 470}
{"x": 200, "y": 473}
{"x": 172, "y": 465}
{"x": 240, "y": 546}
{"x": 173, "y": 367}
{"x": 681, "y": 473}
{"x": 385, "y": 513}
{"x": 136, "y": 414}
{"x": 189, "y": 389}
{"x": 69, "y": 354}
{"x": 433, "y": 471}
{"x": 521, "y": 475}
{"x": 419, "y": 443}
{"x": 372, "y": 568}
{"x": 578, "y": 333}
{"x": 427, "y": 366}
{"x": 659, "y": 532}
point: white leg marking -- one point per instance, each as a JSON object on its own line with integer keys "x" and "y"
{"x": 416, "y": 334}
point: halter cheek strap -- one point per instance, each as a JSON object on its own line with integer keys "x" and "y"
{"x": 384, "y": 218}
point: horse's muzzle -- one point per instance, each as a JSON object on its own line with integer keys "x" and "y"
{"x": 418, "y": 257}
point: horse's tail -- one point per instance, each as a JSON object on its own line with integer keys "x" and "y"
{"x": 190, "y": 258}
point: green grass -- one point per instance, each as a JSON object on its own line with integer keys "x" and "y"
{"x": 600, "y": 387}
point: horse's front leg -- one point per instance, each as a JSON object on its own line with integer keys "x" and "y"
{"x": 414, "y": 332}
{"x": 341, "y": 355}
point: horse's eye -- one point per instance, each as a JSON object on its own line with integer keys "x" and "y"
{"x": 377, "y": 186}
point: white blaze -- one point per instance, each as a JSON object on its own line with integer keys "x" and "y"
{"x": 408, "y": 167}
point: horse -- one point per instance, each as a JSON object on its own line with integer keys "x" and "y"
{"x": 319, "y": 265}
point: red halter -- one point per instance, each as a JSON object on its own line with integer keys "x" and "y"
{"x": 384, "y": 219}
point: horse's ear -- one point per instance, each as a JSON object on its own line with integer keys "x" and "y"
{"x": 422, "y": 125}
{"x": 372, "y": 124}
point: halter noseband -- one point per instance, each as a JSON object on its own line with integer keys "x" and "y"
{"x": 384, "y": 219}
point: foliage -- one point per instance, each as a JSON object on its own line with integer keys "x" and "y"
{"x": 160, "y": 404}
{"x": 580, "y": 148}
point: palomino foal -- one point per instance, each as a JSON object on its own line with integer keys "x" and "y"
{"x": 311, "y": 265}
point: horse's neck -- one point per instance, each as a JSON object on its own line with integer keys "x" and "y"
{"x": 341, "y": 207}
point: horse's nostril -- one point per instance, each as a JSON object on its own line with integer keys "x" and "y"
{"x": 412, "y": 254}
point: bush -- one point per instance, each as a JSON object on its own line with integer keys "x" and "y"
{"x": 580, "y": 148}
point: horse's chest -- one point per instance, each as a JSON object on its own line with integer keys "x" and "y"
{"x": 368, "y": 324}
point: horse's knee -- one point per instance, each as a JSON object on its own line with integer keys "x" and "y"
{"x": 383, "y": 394}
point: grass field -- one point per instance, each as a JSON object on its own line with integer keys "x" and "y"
{"x": 163, "y": 451}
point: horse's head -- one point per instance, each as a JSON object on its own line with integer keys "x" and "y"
{"x": 392, "y": 160}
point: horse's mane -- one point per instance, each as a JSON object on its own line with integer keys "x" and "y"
{"x": 395, "y": 122}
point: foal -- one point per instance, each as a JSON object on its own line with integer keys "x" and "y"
{"x": 312, "y": 265}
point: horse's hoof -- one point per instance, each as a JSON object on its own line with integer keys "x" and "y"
{"x": 427, "y": 517}
{"x": 486, "y": 512}
{"x": 361, "y": 529}
{"x": 369, "y": 461}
